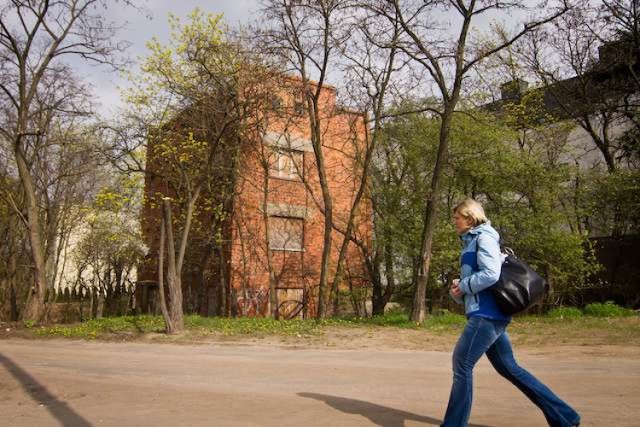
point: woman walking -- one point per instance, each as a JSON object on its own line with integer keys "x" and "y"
{"x": 485, "y": 332}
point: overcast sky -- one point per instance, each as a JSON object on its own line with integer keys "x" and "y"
{"x": 149, "y": 22}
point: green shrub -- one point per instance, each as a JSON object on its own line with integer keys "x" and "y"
{"x": 608, "y": 309}
{"x": 565, "y": 313}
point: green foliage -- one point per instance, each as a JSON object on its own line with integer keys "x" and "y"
{"x": 610, "y": 202}
{"x": 511, "y": 163}
{"x": 565, "y": 313}
{"x": 110, "y": 243}
{"x": 529, "y": 113}
{"x": 608, "y": 309}
{"x": 566, "y": 259}
{"x": 177, "y": 70}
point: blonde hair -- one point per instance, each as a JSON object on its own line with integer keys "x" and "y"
{"x": 469, "y": 208}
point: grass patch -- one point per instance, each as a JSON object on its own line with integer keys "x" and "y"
{"x": 565, "y": 313}
{"x": 584, "y": 330}
{"x": 139, "y": 325}
{"x": 445, "y": 321}
{"x": 94, "y": 328}
{"x": 561, "y": 326}
{"x": 251, "y": 326}
{"x": 396, "y": 319}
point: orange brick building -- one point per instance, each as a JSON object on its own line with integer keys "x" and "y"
{"x": 276, "y": 178}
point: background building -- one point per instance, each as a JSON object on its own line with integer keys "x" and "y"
{"x": 267, "y": 179}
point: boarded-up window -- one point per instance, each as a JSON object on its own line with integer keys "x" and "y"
{"x": 286, "y": 164}
{"x": 286, "y": 233}
{"x": 290, "y": 303}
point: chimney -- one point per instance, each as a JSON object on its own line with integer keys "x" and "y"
{"x": 513, "y": 90}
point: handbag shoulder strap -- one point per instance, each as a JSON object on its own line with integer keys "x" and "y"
{"x": 505, "y": 251}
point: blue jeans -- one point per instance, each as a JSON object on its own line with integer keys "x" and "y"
{"x": 480, "y": 336}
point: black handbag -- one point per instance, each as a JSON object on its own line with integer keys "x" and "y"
{"x": 519, "y": 287}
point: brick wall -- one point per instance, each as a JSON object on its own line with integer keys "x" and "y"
{"x": 297, "y": 272}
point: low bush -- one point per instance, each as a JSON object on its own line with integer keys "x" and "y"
{"x": 608, "y": 309}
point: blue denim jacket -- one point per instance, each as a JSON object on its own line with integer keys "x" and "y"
{"x": 480, "y": 265}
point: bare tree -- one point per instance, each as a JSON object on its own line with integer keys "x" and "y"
{"x": 445, "y": 49}
{"x": 587, "y": 65}
{"x": 582, "y": 86}
{"x": 305, "y": 35}
{"x": 371, "y": 64}
{"x": 34, "y": 37}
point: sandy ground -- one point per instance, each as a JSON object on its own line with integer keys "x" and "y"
{"x": 257, "y": 383}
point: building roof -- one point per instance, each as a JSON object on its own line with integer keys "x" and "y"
{"x": 609, "y": 79}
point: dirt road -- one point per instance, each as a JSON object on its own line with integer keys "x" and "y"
{"x": 78, "y": 383}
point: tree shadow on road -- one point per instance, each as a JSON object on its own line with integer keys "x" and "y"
{"x": 59, "y": 409}
{"x": 379, "y": 415}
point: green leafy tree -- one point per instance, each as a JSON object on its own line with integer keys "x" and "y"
{"x": 197, "y": 99}
{"x": 110, "y": 248}
{"x": 512, "y": 164}
{"x": 448, "y": 64}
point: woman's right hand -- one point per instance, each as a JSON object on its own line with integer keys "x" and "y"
{"x": 455, "y": 290}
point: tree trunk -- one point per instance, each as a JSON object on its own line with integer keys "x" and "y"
{"x": 378, "y": 103}
{"x": 173, "y": 273}
{"x": 118, "y": 291}
{"x": 273, "y": 292}
{"x": 13, "y": 300}
{"x": 203, "y": 291}
{"x": 389, "y": 256}
{"x": 52, "y": 238}
{"x": 34, "y": 307}
{"x": 161, "y": 293}
{"x": 323, "y": 295}
{"x": 12, "y": 271}
{"x": 418, "y": 311}
{"x": 225, "y": 309}
{"x": 377, "y": 299}
{"x": 337, "y": 278}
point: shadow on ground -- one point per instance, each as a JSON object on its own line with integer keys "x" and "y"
{"x": 379, "y": 415}
{"x": 39, "y": 393}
